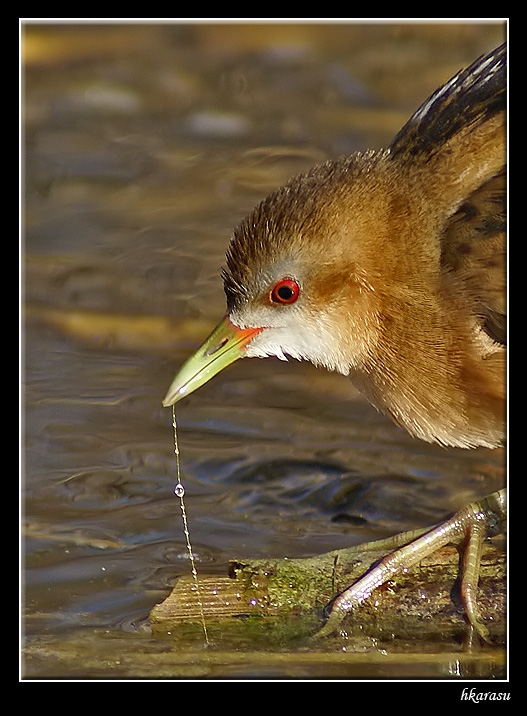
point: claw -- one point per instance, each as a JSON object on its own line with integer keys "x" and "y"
{"x": 472, "y": 525}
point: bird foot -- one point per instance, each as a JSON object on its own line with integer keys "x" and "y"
{"x": 471, "y": 525}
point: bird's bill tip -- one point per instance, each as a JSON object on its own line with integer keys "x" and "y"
{"x": 225, "y": 345}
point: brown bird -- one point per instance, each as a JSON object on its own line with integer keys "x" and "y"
{"x": 389, "y": 267}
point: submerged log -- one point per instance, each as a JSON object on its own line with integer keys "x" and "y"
{"x": 281, "y": 599}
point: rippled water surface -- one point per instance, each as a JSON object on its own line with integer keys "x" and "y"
{"x": 144, "y": 146}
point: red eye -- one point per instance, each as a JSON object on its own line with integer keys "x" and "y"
{"x": 285, "y": 291}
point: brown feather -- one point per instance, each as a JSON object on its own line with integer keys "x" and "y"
{"x": 402, "y": 253}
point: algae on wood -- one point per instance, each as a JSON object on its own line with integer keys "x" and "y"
{"x": 281, "y": 599}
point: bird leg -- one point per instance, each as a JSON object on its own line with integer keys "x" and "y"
{"x": 471, "y": 525}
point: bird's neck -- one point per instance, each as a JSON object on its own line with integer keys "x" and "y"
{"x": 423, "y": 372}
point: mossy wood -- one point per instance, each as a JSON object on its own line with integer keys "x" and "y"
{"x": 284, "y": 598}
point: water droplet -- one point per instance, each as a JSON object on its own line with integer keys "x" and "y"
{"x": 179, "y": 490}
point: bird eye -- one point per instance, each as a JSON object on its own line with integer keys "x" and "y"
{"x": 285, "y": 291}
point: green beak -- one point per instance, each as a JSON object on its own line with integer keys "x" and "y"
{"x": 224, "y": 345}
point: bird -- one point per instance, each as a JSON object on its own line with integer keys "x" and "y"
{"x": 389, "y": 267}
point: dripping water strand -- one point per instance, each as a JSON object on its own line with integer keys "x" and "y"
{"x": 179, "y": 491}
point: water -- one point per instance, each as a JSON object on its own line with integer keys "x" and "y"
{"x": 144, "y": 146}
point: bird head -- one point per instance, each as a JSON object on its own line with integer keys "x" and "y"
{"x": 295, "y": 278}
